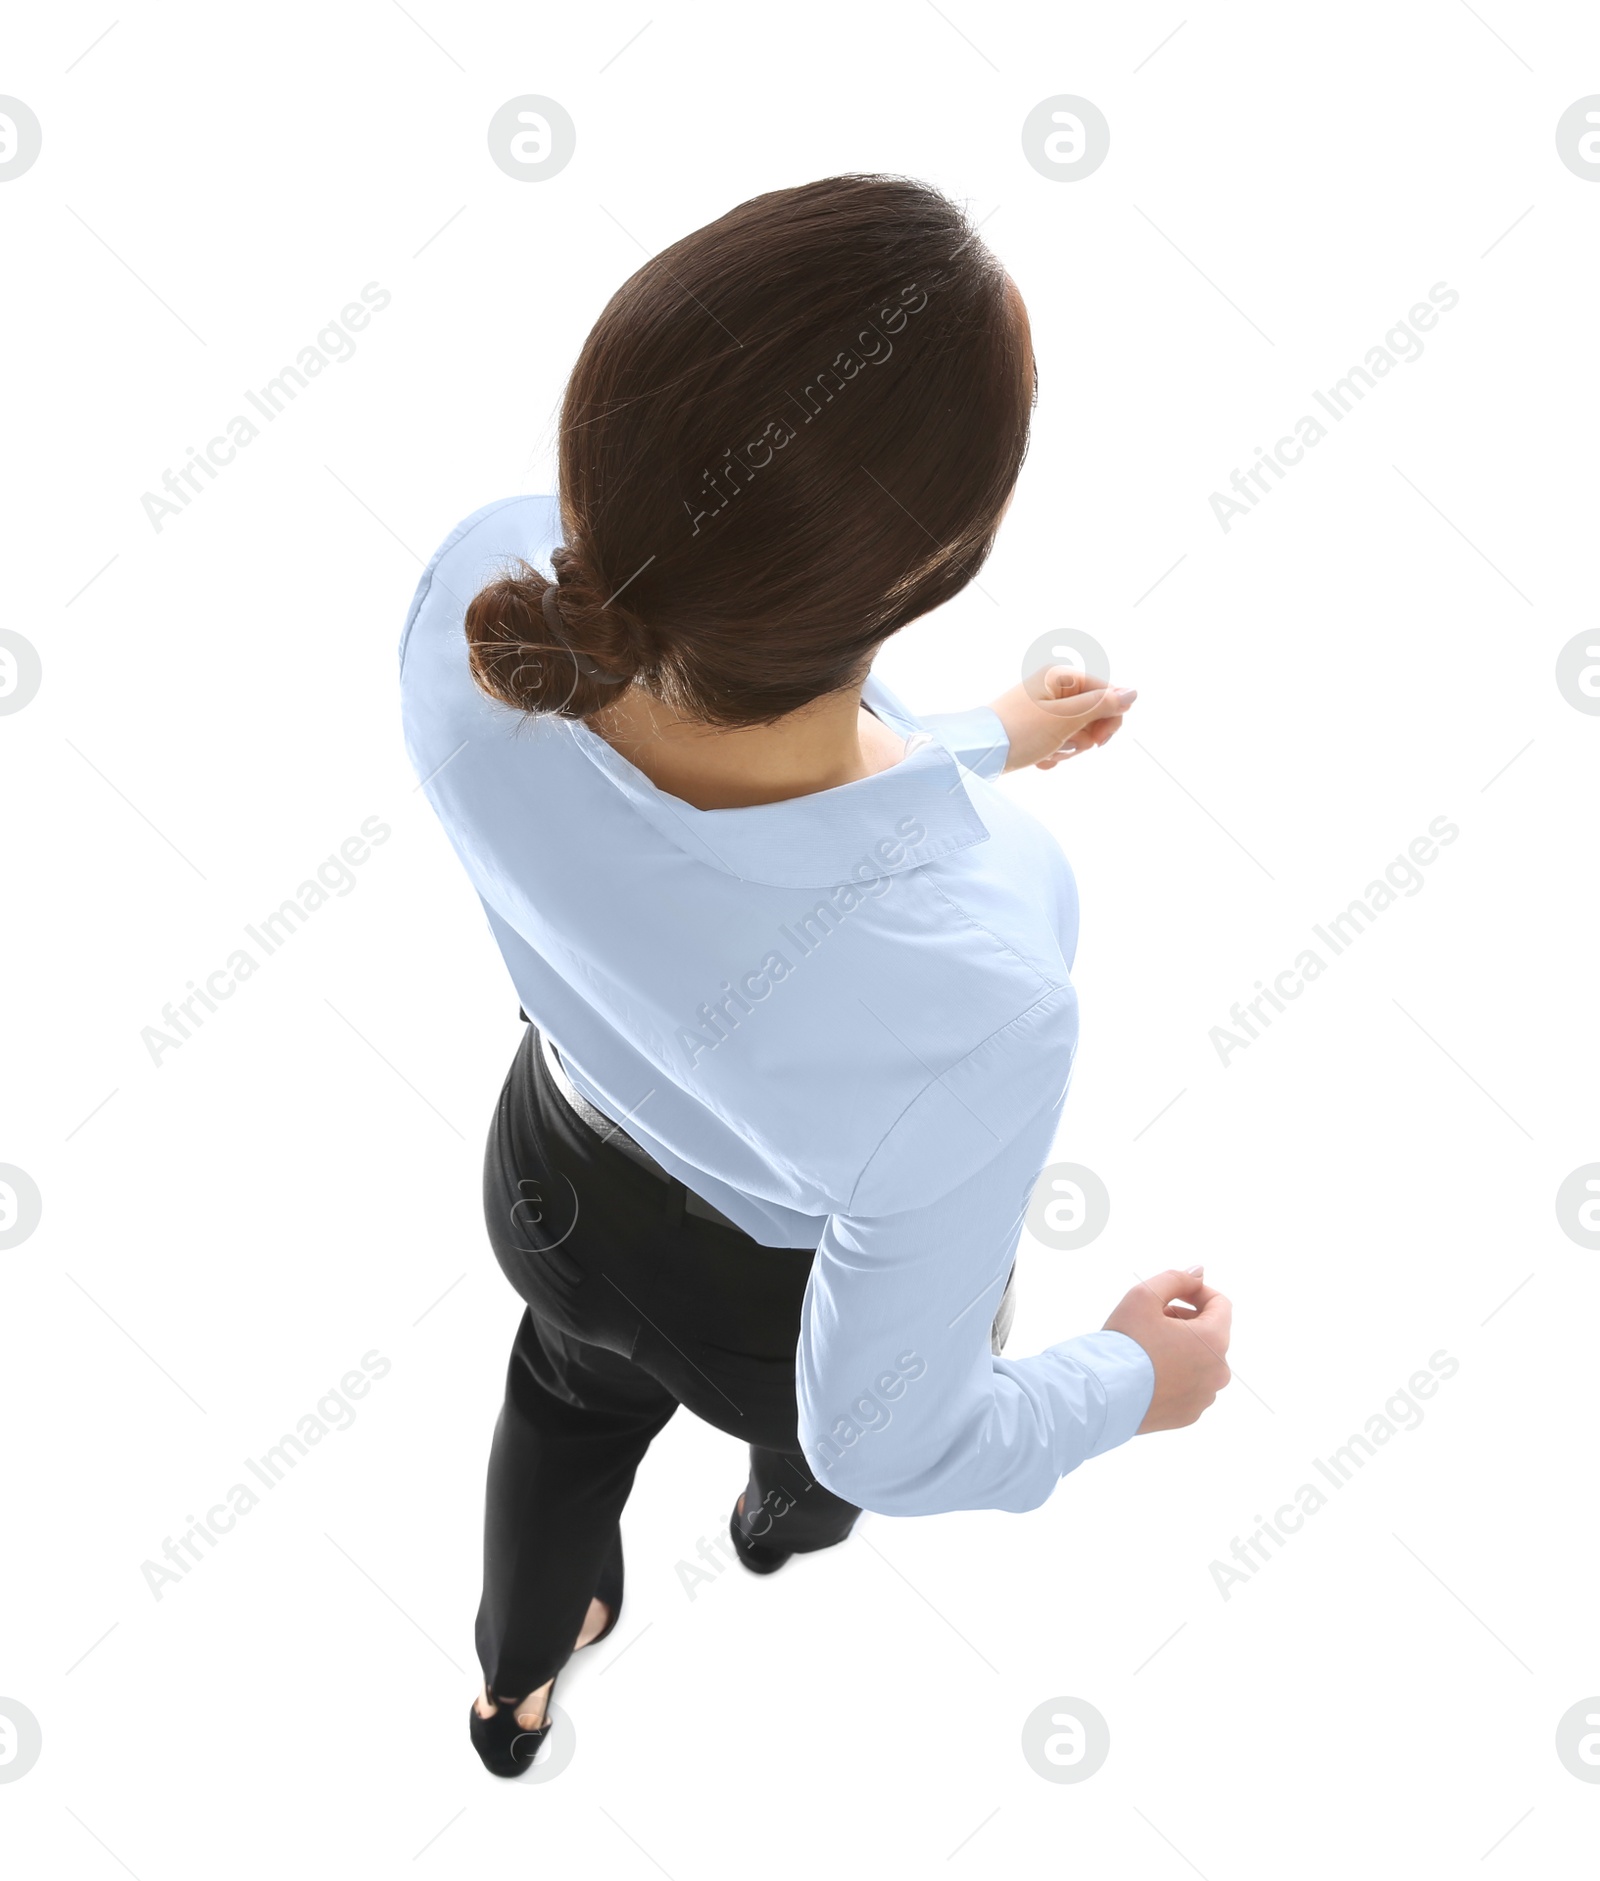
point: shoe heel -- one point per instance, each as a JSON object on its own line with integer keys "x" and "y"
{"x": 505, "y": 1748}
{"x": 754, "y": 1555}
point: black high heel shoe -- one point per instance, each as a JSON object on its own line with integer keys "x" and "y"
{"x": 505, "y": 1748}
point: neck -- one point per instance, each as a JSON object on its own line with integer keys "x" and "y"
{"x": 832, "y": 741}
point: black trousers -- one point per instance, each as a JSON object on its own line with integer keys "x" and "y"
{"x": 633, "y": 1308}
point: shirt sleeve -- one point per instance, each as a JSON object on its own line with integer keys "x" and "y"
{"x": 975, "y": 736}
{"x": 904, "y": 1409}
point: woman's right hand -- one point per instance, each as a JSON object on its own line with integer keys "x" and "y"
{"x": 1184, "y": 1327}
{"x": 1056, "y": 713}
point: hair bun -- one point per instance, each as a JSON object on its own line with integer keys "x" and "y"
{"x": 549, "y": 646}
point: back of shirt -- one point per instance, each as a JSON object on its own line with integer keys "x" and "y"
{"x": 846, "y": 1020}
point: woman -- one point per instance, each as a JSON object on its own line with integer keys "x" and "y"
{"x": 797, "y": 973}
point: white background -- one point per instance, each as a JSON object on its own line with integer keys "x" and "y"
{"x": 1372, "y": 1181}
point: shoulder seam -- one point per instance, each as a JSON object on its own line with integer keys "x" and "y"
{"x": 922, "y": 1090}
{"x": 1004, "y": 945}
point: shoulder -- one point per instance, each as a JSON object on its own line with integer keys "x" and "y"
{"x": 474, "y": 552}
{"x": 442, "y": 709}
{"x": 960, "y": 1120}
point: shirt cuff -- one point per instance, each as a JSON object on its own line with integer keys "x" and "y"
{"x": 1124, "y": 1372}
{"x": 975, "y": 736}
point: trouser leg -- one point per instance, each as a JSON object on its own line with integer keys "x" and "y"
{"x": 786, "y": 1507}
{"x": 575, "y": 1422}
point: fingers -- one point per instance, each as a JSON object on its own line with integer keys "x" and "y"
{"x": 1090, "y": 709}
{"x": 1183, "y": 1294}
{"x": 1066, "y": 682}
{"x": 1215, "y": 1320}
{"x": 1074, "y": 694}
{"x": 1177, "y": 1284}
{"x": 1090, "y": 738}
{"x": 1089, "y": 700}
{"x": 1062, "y": 682}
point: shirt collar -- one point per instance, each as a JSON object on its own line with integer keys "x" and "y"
{"x": 897, "y": 819}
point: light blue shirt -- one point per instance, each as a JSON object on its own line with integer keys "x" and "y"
{"x": 845, "y": 1020}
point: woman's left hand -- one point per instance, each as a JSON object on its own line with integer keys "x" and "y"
{"x": 1056, "y": 713}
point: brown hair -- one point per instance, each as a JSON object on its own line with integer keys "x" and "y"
{"x": 787, "y": 435}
